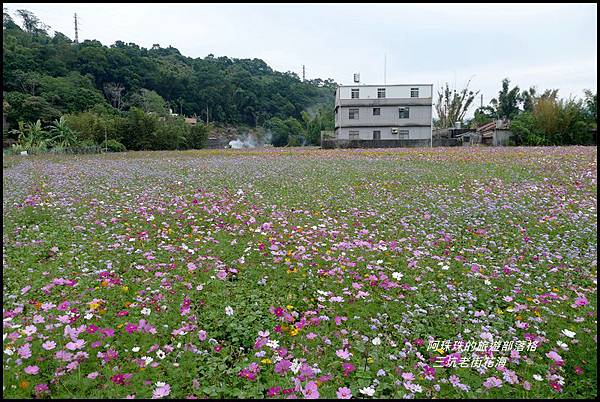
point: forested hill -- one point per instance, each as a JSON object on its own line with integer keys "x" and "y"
{"x": 46, "y": 76}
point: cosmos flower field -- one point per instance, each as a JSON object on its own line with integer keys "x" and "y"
{"x": 301, "y": 273}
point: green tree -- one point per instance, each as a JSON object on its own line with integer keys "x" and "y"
{"x": 198, "y": 136}
{"x": 279, "y": 131}
{"x": 508, "y": 101}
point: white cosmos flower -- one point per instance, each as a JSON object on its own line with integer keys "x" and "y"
{"x": 160, "y": 354}
{"x": 145, "y": 311}
{"x": 568, "y": 333}
{"x": 229, "y": 311}
{"x": 376, "y": 341}
{"x": 135, "y": 349}
{"x": 295, "y": 367}
{"x": 397, "y": 276}
{"x": 538, "y": 377}
{"x": 367, "y": 391}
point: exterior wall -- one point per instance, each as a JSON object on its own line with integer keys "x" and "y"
{"x": 391, "y": 91}
{"x": 501, "y": 137}
{"x": 366, "y": 133}
{"x": 389, "y": 117}
{"x": 418, "y": 123}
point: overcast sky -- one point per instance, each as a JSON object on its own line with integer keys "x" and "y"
{"x": 546, "y": 45}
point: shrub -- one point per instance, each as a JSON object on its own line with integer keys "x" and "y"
{"x": 113, "y": 146}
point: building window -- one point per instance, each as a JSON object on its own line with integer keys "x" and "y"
{"x": 353, "y": 134}
{"x": 414, "y": 92}
{"x": 404, "y": 112}
{"x": 376, "y": 135}
{"x": 354, "y": 93}
{"x": 376, "y": 111}
{"x": 403, "y": 134}
{"x": 381, "y": 92}
{"x": 353, "y": 114}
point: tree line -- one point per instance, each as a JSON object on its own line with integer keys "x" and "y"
{"x": 536, "y": 118}
{"x": 48, "y": 77}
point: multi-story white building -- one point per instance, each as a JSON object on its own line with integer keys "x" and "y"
{"x": 383, "y": 115}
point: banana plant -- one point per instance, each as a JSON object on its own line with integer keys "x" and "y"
{"x": 32, "y": 136}
{"x": 62, "y": 135}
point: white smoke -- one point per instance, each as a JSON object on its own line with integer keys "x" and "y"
{"x": 248, "y": 140}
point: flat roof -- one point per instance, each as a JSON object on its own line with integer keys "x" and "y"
{"x": 381, "y": 85}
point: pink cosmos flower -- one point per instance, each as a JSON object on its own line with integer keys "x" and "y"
{"x": 580, "y": 301}
{"x": 492, "y": 382}
{"x": 39, "y": 388}
{"x": 555, "y": 357}
{"x": 49, "y": 345}
{"x": 282, "y": 366}
{"x": 310, "y": 390}
{"x": 93, "y": 376}
{"x": 408, "y": 376}
{"x": 24, "y": 351}
{"x": 343, "y": 354}
{"x": 202, "y": 335}
{"x": 161, "y": 391}
{"x": 33, "y": 370}
{"x": 78, "y": 344}
{"x": 344, "y": 393}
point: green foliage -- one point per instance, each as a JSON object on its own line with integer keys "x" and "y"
{"x": 552, "y": 122}
{"x": 323, "y": 120}
{"x": 198, "y": 136}
{"x": 482, "y": 116}
{"x": 73, "y": 79}
{"x": 148, "y": 101}
{"x": 32, "y": 137}
{"x": 95, "y": 125}
{"x": 591, "y": 104}
{"x": 29, "y": 108}
{"x": 139, "y": 130}
{"x": 63, "y": 135}
{"x": 508, "y": 101}
{"x": 170, "y": 133}
{"x": 113, "y": 146}
{"x": 279, "y": 131}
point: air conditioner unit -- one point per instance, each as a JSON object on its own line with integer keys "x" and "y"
{"x": 395, "y": 130}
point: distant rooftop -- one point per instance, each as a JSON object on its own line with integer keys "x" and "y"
{"x": 382, "y": 85}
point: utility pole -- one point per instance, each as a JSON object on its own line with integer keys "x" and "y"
{"x": 76, "y": 30}
{"x": 207, "y": 115}
{"x": 481, "y": 100}
{"x": 384, "y": 68}
{"x": 303, "y": 73}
